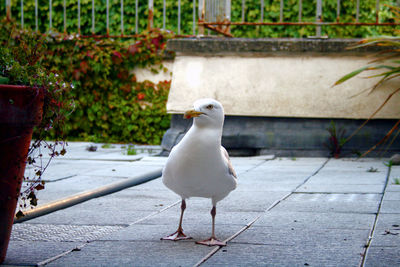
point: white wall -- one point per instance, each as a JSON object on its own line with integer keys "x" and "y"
{"x": 279, "y": 86}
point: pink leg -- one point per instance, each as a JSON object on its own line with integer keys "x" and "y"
{"x": 212, "y": 241}
{"x": 178, "y": 235}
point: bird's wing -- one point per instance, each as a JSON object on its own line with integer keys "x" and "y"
{"x": 228, "y": 162}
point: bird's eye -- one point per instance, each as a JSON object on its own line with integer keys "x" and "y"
{"x": 210, "y": 106}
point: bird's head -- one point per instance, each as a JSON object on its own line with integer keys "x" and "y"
{"x": 207, "y": 112}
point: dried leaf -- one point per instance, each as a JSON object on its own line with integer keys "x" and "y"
{"x": 39, "y": 187}
{"x": 19, "y": 214}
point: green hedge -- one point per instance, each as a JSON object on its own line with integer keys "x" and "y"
{"x": 252, "y": 14}
{"x": 291, "y": 11}
{"x": 111, "y": 106}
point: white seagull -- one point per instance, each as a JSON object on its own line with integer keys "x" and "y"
{"x": 198, "y": 166}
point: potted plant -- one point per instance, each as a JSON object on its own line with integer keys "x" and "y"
{"x": 33, "y": 101}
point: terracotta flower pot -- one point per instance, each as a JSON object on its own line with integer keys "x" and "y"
{"x": 21, "y": 108}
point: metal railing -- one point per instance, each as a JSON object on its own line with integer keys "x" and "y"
{"x": 150, "y": 16}
{"x": 217, "y": 24}
{"x": 211, "y": 14}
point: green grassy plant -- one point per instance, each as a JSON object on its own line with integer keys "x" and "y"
{"x": 387, "y": 63}
{"x": 131, "y": 151}
{"x": 111, "y": 105}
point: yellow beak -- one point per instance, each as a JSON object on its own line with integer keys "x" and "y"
{"x": 192, "y": 113}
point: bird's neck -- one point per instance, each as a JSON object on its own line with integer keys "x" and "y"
{"x": 207, "y": 136}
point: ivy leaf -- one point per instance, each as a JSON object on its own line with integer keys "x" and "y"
{"x": 4, "y": 80}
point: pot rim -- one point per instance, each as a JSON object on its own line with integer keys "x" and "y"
{"x": 15, "y": 87}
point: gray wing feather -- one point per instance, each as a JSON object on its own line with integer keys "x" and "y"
{"x": 226, "y": 158}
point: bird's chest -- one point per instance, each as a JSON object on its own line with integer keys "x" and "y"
{"x": 202, "y": 161}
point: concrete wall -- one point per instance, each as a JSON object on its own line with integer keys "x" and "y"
{"x": 278, "y": 94}
{"x": 279, "y": 83}
{"x": 143, "y": 74}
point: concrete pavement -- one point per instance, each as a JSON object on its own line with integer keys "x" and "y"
{"x": 285, "y": 212}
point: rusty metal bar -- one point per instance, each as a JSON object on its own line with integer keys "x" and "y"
{"x": 217, "y": 29}
{"x": 36, "y": 16}
{"x": 93, "y": 21}
{"x": 243, "y": 9}
{"x": 300, "y": 10}
{"x": 318, "y": 18}
{"x": 65, "y": 16}
{"x": 201, "y": 17}
{"x": 357, "y": 10}
{"x": 179, "y": 16}
{"x": 137, "y": 16}
{"x": 79, "y": 17}
{"x": 164, "y": 15}
{"x": 150, "y": 22}
{"x": 122, "y": 17}
{"x": 22, "y": 14}
{"x": 8, "y": 9}
{"x": 216, "y": 14}
{"x": 50, "y": 14}
{"x": 300, "y": 23}
{"x": 228, "y": 10}
{"x": 262, "y": 10}
{"x": 108, "y": 17}
{"x": 194, "y": 18}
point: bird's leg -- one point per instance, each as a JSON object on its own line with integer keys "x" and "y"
{"x": 212, "y": 241}
{"x": 178, "y": 235}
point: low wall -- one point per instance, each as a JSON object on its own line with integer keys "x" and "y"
{"x": 279, "y": 92}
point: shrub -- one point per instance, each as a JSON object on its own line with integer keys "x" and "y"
{"x": 111, "y": 105}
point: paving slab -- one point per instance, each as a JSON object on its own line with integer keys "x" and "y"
{"x": 349, "y": 177}
{"x": 239, "y": 201}
{"x": 316, "y": 220}
{"x": 300, "y": 236}
{"x": 332, "y": 203}
{"x": 326, "y": 222}
{"x": 275, "y": 255}
{"x": 393, "y": 188}
{"x": 62, "y": 232}
{"x": 382, "y": 256}
{"x": 194, "y": 217}
{"x": 342, "y": 188}
{"x": 135, "y": 253}
{"x": 144, "y": 232}
{"x": 395, "y": 171}
{"x": 71, "y": 186}
{"x": 390, "y": 206}
{"x": 118, "y": 208}
{"x": 391, "y": 195}
{"x": 387, "y": 231}
{"x": 30, "y": 253}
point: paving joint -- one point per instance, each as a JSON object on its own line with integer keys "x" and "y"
{"x": 59, "y": 179}
{"x": 372, "y": 231}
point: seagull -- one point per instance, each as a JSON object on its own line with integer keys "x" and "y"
{"x": 198, "y": 166}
